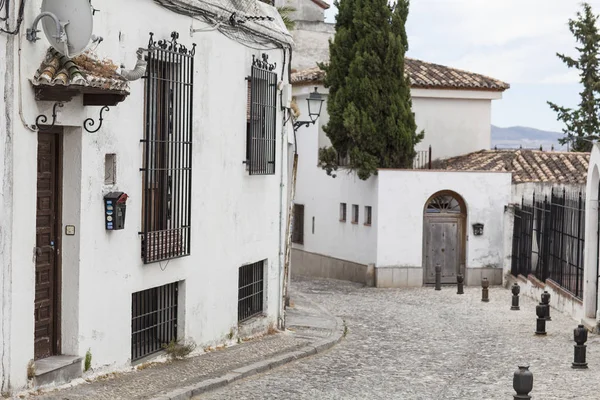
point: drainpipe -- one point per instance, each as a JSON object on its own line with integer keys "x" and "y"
{"x": 138, "y": 71}
{"x": 6, "y": 201}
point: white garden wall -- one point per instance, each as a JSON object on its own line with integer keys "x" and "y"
{"x": 401, "y": 202}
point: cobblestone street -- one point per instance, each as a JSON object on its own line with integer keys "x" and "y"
{"x": 422, "y": 344}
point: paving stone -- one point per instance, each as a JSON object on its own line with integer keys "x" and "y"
{"x": 425, "y": 344}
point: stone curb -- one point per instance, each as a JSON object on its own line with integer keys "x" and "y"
{"x": 316, "y": 347}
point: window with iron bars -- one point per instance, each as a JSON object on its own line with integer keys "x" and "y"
{"x": 250, "y": 290}
{"x": 153, "y": 319}
{"x": 167, "y": 165}
{"x": 298, "y": 225}
{"x": 261, "y": 117}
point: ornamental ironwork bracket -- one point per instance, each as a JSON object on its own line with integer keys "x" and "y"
{"x": 171, "y": 45}
{"x": 42, "y": 119}
{"x": 88, "y": 123}
{"x": 300, "y": 124}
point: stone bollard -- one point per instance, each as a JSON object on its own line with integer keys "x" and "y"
{"x": 438, "y": 277}
{"x": 460, "y": 283}
{"x": 516, "y": 289}
{"x": 523, "y": 383}
{"x": 540, "y": 310}
{"x": 580, "y": 336}
{"x": 546, "y": 302}
{"x": 485, "y": 294}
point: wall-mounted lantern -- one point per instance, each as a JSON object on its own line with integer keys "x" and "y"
{"x": 477, "y": 229}
{"x": 315, "y": 104}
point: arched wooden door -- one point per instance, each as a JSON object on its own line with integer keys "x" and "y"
{"x": 444, "y": 236}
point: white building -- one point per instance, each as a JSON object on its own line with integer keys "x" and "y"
{"x": 352, "y": 226}
{"x": 200, "y": 149}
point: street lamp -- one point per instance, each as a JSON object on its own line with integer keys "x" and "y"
{"x": 315, "y": 104}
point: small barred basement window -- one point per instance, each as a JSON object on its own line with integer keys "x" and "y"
{"x": 250, "y": 290}
{"x": 261, "y": 114}
{"x": 153, "y": 319}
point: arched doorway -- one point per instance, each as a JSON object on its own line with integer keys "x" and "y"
{"x": 444, "y": 236}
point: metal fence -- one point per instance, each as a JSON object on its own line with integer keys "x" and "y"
{"x": 422, "y": 159}
{"x": 548, "y": 239}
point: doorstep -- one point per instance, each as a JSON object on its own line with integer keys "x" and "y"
{"x": 57, "y": 370}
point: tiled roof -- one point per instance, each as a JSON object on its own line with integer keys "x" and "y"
{"x": 525, "y": 165}
{"x": 423, "y": 75}
{"x": 81, "y": 71}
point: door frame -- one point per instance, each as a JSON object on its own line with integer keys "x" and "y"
{"x": 459, "y": 218}
{"x": 57, "y": 301}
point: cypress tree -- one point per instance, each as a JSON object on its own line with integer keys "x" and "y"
{"x": 371, "y": 121}
{"x": 583, "y": 122}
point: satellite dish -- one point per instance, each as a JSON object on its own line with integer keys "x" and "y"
{"x": 67, "y": 25}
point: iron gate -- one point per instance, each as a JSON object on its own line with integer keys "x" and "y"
{"x": 548, "y": 240}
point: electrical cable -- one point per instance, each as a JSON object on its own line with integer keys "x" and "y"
{"x": 19, "y": 20}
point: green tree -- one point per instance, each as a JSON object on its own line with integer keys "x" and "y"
{"x": 371, "y": 121}
{"x": 583, "y": 122}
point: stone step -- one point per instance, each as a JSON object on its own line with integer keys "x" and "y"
{"x": 57, "y": 370}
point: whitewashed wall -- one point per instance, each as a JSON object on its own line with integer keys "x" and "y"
{"x": 455, "y": 122}
{"x": 590, "y": 262}
{"x": 401, "y": 201}
{"x": 236, "y": 218}
{"x": 321, "y": 196}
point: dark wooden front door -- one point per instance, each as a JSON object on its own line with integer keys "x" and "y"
{"x": 47, "y": 268}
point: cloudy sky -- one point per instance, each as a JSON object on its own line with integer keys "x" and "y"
{"x": 512, "y": 40}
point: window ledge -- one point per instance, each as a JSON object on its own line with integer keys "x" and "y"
{"x": 342, "y": 220}
{"x": 253, "y": 319}
{"x": 367, "y": 224}
{"x": 354, "y": 223}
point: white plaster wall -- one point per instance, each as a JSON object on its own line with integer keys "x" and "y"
{"x": 321, "y": 196}
{"x": 235, "y": 220}
{"x": 591, "y": 256}
{"x": 455, "y": 122}
{"x": 401, "y": 201}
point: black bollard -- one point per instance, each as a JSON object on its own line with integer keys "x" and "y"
{"x": 438, "y": 277}
{"x": 485, "y": 294}
{"x": 516, "y": 289}
{"x": 546, "y": 302}
{"x": 540, "y": 310}
{"x": 580, "y": 335}
{"x": 460, "y": 283}
{"x": 523, "y": 383}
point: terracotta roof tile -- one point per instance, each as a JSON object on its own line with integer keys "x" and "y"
{"x": 83, "y": 70}
{"x": 525, "y": 165}
{"x": 423, "y": 75}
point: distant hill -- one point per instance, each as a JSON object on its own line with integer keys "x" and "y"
{"x": 529, "y": 138}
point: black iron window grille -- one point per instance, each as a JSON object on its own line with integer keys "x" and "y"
{"x": 368, "y": 215}
{"x": 298, "y": 224}
{"x": 355, "y": 213}
{"x": 343, "y": 212}
{"x": 261, "y": 117}
{"x": 153, "y": 319}
{"x": 250, "y": 290}
{"x": 167, "y": 165}
{"x": 549, "y": 238}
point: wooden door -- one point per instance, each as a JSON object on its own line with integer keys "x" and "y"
{"x": 47, "y": 268}
{"x": 442, "y": 246}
